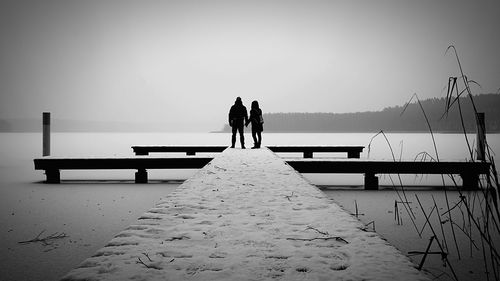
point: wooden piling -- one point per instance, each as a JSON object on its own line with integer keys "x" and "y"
{"x": 480, "y": 136}
{"x": 46, "y": 134}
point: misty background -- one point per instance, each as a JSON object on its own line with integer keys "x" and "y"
{"x": 179, "y": 65}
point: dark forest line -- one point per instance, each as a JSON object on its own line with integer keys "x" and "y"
{"x": 393, "y": 119}
{"x": 389, "y": 119}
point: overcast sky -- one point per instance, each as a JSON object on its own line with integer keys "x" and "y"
{"x": 185, "y": 62}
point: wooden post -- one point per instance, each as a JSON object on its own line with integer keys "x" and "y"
{"x": 371, "y": 181}
{"x": 470, "y": 181}
{"x": 480, "y": 136}
{"x": 46, "y": 134}
{"x": 141, "y": 176}
{"x": 53, "y": 176}
{"x": 308, "y": 154}
{"x": 352, "y": 154}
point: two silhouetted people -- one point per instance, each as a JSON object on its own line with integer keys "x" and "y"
{"x": 238, "y": 117}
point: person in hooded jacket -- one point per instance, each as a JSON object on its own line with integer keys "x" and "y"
{"x": 238, "y": 116}
{"x": 257, "y": 124}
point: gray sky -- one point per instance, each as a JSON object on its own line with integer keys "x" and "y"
{"x": 184, "y": 62}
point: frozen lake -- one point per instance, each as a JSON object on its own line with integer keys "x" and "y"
{"x": 91, "y": 211}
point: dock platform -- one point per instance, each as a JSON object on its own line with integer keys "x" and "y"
{"x": 468, "y": 171}
{"x": 352, "y": 151}
{"x": 53, "y": 166}
{"x": 188, "y": 149}
{"x": 246, "y": 215}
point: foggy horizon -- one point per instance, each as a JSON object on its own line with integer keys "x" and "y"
{"x": 183, "y": 63}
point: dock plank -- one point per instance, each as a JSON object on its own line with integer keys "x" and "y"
{"x": 246, "y": 216}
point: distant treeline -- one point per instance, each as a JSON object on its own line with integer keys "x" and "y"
{"x": 392, "y": 119}
{"x": 63, "y": 125}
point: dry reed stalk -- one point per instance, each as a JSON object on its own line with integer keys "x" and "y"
{"x": 437, "y": 240}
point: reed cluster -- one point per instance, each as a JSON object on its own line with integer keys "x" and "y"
{"x": 474, "y": 214}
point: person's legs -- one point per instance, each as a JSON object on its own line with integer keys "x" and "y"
{"x": 242, "y": 137}
{"x": 233, "y": 138}
{"x": 255, "y": 141}
{"x": 259, "y": 137}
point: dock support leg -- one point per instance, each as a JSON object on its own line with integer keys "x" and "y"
{"x": 53, "y": 176}
{"x": 371, "y": 182}
{"x": 352, "y": 154}
{"x": 470, "y": 181}
{"x": 308, "y": 154}
{"x": 141, "y": 176}
{"x": 46, "y": 134}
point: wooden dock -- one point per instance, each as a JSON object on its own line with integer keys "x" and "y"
{"x": 308, "y": 151}
{"x": 52, "y": 166}
{"x": 468, "y": 171}
{"x": 246, "y": 216}
{"x": 188, "y": 149}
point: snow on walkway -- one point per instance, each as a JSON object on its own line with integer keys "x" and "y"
{"x": 246, "y": 216}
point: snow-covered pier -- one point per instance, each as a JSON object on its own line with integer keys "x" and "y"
{"x": 247, "y": 215}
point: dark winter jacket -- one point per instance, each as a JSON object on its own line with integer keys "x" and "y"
{"x": 256, "y": 119}
{"x": 238, "y": 114}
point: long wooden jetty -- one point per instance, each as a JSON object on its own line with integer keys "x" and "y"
{"x": 246, "y": 216}
{"x": 468, "y": 171}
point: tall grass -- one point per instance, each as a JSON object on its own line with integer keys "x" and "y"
{"x": 475, "y": 213}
